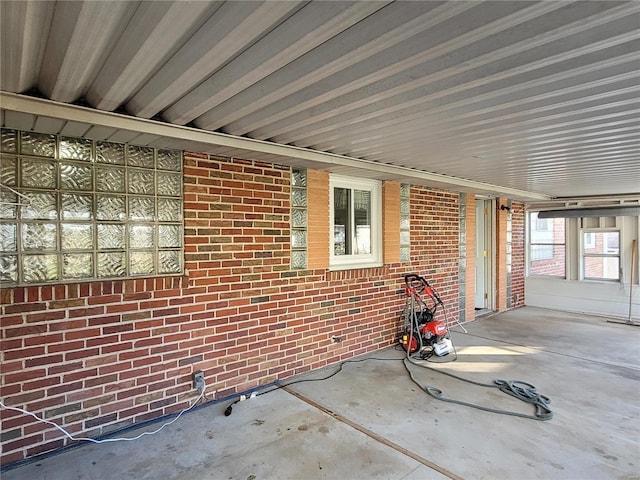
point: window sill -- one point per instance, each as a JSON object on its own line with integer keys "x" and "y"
{"x": 355, "y": 266}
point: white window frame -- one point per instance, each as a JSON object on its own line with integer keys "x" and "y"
{"x": 550, "y": 244}
{"x": 374, "y": 259}
{"x": 584, "y": 255}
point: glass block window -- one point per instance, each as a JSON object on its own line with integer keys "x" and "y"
{"x": 405, "y": 223}
{"x": 298, "y": 218}
{"x": 77, "y": 209}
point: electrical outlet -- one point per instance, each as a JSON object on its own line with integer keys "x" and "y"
{"x": 198, "y": 380}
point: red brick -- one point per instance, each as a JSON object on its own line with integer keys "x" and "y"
{"x": 64, "y": 303}
{"x": 68, "y": 325}
{"x": 104, "y": 299}
{"x": 41, "y": 383}
{"x": 24, "y": 397}
{"x": 25, "y": 331}
{"x": 101, "y": 380}
{"x": 45, "y": 447}
{"x": 22, "y": 443}
{"x": 6, "y": 390}
{"x": 64, "y": 347}
{"x": 11, "y": 320}
{"x": 24, "y": 353}
{"x": 85, "y": 353}
{"x": 104, "y": 320}
{"x": 64, "y": 388}
{"x": 84, "y": 394}
{"x": 72, "y": 377}
{"x": 43, "y": 339}
{"x": 85, "y": 312}
{"x": 118, "y": 307}
{"x": 66, "y": 367}
{"x": 10, "y": 344}
{"x": 11, "y": 457}
{"x": 117, "y": 367}
{"x": 46, "y": 316}
{"x": 24, "y": 307}
{"x": 116, "y": 347}
{"x": 102, "y": 360}
{"x": 86, "y": 333}
{"x": 51, "y": 359}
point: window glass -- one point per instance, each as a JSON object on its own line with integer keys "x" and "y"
{"x": 80, "y": 209}
{"x": 342, "y": 222}
{"x": 601, "y": 255}
{"x": 362, "y": 215}
{"x": 356, "y": 221}
{"x": 546, "y": 246}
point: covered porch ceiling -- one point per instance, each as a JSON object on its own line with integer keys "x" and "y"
{"x": 532, "y": 100}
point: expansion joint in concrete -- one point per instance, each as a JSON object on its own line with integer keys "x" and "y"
{"x": 374, "y": 436}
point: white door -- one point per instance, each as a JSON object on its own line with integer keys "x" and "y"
{"x": 483, "y": 254}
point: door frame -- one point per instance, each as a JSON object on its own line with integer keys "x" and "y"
{"x": 485, "y": 225}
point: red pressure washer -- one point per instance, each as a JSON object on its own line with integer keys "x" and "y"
{"x": 421, "y": 332}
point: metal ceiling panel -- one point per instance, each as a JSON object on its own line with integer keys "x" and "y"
{"x": 23, "y": 26}
{"x": 393, "y": 71}
{"x": 398, "y": 21}
{"x": 308, "y": 28}
{"x": 533, "y": 98}
{"x": 232, "y": 28}
{"x": 81, "y": 35}
{"x": 155, "y": 31}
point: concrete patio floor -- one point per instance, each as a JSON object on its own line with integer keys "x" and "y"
{"x": 371, "y": 422}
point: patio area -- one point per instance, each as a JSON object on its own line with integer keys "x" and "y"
{"x": 371, "y": 421}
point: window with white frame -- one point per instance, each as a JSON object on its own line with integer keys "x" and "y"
{"x": 601, "y": 255}
{"x": 547, "y": 246}
{"x": 75, "y": 209}
{"x": 357, "y": 227}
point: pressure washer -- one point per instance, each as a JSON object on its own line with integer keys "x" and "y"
{"x": 422, "y": 334}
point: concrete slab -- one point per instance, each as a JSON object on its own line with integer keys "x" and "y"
{"x": 370, "y": 421}
{"x": 271, "y": 436}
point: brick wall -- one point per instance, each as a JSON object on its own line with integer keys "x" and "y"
{"x": 435, "y": 233}
{"x": 501, "y": 255}
{"x": 98, "y": 357}
{"x": 517, "y": 254}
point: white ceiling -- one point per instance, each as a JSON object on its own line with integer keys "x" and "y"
{"x": 540, "y": 98}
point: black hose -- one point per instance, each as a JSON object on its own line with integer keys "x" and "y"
{"x": 518, "y": 389}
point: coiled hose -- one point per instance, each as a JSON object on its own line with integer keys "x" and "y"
{"x": 521, "y": 390}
